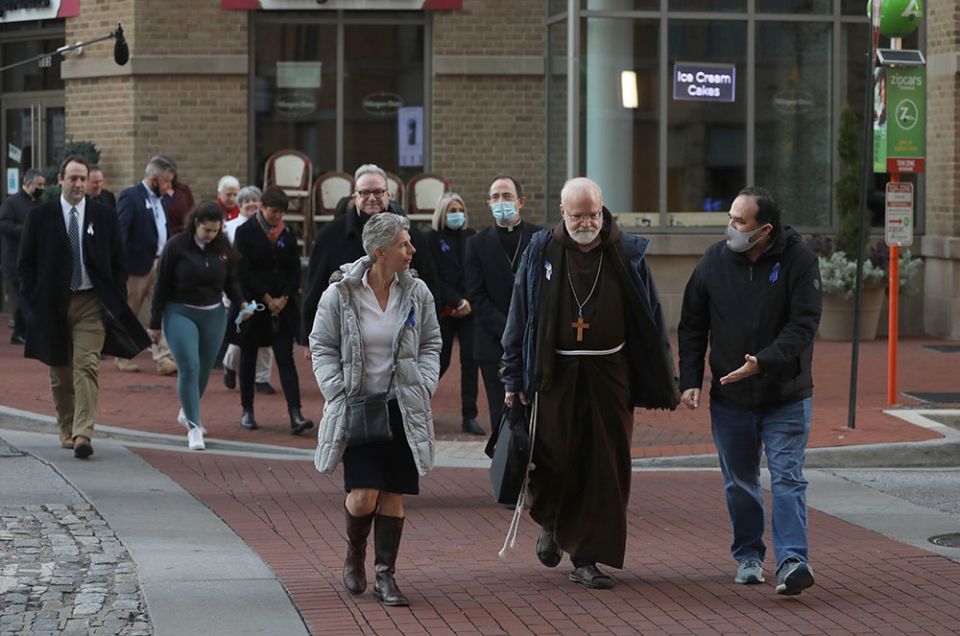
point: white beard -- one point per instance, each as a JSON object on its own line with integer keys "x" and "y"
{"x": 584, "y": 238}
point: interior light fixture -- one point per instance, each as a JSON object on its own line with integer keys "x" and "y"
{"x": 628, "y": 89}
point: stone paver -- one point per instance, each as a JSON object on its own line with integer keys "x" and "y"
{"x": 64, "y": 571}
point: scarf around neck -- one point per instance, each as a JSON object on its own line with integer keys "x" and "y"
{"x": 273, "y": 232}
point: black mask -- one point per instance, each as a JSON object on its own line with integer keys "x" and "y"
{"x": 155, "y": 188}
{"x": 37, "y": 193}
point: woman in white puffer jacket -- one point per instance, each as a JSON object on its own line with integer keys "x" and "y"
{"x": 376, "y": 308}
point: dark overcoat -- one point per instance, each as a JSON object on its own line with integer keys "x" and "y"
{"x": 266, "y": 268}
{"x": 13, "y": 214}
{"x": 44, "y": 269}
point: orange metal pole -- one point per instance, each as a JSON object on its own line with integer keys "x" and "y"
{"x": 893, "y": 322}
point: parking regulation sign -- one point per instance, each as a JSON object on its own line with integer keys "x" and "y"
{"x": 899, "y": 216}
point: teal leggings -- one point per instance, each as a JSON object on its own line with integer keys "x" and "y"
{"x": 194, "y": 336}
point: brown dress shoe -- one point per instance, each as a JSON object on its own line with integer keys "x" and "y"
{"x": 66, "y": 440}
{"x": 82, "y": 447}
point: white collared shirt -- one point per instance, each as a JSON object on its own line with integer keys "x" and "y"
{"x": 159, "y": 216}
{"x": 65, "y": 207}
{"x": 376, "y": 335}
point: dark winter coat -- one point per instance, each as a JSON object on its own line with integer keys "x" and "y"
{"x": 266, "y": 268}
{"x": 769, "y": 309}
{"x": 13, "y": 214}
{"x": 44, "y": 267}
{"x": 448, "y": 250}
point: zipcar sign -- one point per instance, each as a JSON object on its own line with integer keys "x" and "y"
{"x": 704, "y": 82}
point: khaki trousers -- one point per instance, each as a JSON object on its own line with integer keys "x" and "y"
{"x": 76, "y": 386}
{"x": 140, "y": 300}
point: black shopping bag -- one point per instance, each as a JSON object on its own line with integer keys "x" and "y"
{"x": 511, "y": 453}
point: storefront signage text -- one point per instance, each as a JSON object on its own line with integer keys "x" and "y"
{"x": 22, "y": 10}
{"x": 296, "y": 104}
{"x": 899, "y": 131}
{"x": 704, "y": 82}
{"x": 381, "y": 104}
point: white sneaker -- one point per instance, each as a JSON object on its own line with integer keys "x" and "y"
{"x": 195, "y": 439}
{"x": 182, "y": 420}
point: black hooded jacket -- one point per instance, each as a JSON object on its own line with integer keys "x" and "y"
{"x": 769, "y": 309}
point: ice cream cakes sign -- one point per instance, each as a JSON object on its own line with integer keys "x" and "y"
{"x": 701, "y": 82}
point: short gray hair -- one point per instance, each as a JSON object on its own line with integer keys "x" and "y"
{"x": 382, "y": 230}
{"x": 581, "y": 185}
{"x": 443, "y": 204}
{"x": 31, "y": 175}
{"x": 369, "y": 168}
{"x": 228, "y": 181}
{"x": 249, "y": 192}
{"x": 157, "y": 166}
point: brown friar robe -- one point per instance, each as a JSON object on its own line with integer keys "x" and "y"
{"x": 581, "y": 483}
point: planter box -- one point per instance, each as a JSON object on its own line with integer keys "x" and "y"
{"x": 836, "y": 323}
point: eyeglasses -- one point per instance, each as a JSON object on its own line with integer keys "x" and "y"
{"x": 589, "y": 216}
{"x": 363, "y": 194}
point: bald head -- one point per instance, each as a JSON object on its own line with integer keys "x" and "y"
{"x": 581, "y": 191}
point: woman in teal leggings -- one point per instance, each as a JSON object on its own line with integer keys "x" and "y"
{"x": 197, "y": 267}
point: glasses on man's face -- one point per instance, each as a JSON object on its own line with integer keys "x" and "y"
{"x": 365, "y": 194}
{"x": 587, "y": 216}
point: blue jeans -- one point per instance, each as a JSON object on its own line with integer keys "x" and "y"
{"x": 194, "y": 336}
{"x": 781, "y": 433}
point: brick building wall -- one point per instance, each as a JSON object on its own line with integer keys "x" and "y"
{"x": 941, "y": 242}
{"x": 183, "y": 93}
{"x": 488, "y": 100}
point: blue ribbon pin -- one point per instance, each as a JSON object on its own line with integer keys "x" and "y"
{"x": 775, "y": 273}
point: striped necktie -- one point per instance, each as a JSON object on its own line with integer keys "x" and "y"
{"x": 73, "y": 233}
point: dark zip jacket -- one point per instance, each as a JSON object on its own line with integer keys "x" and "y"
{"x": 769, "y": 309}
{"x": 527, "y": 364}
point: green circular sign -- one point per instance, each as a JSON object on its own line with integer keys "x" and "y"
{"x": 898, "y": 18}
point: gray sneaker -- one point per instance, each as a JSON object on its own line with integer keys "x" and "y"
{"x": 750, "y": 572}
{"x": 793, "y": 577}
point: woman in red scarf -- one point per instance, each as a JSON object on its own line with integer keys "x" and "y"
{"x": 227, "y": 191}
{"x": 269, "y": 273}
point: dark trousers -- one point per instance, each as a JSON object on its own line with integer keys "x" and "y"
{"x": 462, "y": 328}
{"x": 13, "y": 289}
{"x": 495, "y": 391}
{"x": 283, "y": 353}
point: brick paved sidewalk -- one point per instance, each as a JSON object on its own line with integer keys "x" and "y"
{"x": 677, "y": 577}
{"x": 147, "y": 401}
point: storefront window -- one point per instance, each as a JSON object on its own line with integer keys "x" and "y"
{"x": 619, "y": 104}
{"x": 37, "y": 76}
{"x": 706, "y": 140}
{"x": 708, "y": 5}
{"x": 343, "y": 118}
{"x": 794, "y": 129}
{"x": 794, "y": 6}
{"x": 383, "y": 72}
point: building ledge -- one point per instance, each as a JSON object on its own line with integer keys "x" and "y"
{"x": 488, "y": 65}
{"x": 156, "y": 65}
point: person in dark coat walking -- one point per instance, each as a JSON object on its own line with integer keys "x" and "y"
{"x": 73, "y": 284}
{"x": 447, "y": 244}
{"x": 13, "y": 214}
{"x": 269, "y": 273}
{"x": 97, "y": 192}
{"x": 491, "y": 261}
{"x": 340, "y": 240}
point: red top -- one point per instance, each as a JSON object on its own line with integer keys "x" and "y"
{"x": 178, "y": 206}
{"x": 228, "y": 214}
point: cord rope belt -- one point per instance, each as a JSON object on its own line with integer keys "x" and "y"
{"x": 589, "y": 352}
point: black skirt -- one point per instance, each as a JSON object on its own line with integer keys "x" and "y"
{"x": 386, "y": 466}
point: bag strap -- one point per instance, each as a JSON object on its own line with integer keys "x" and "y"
{"x": 393, "y": 369}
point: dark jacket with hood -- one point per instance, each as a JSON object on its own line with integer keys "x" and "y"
{"x": 769, "y": 309}
{"x": 528, "y": 352}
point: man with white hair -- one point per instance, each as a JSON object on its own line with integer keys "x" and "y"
{"x": 585, "y": 343}
{"x": 227, "y": 190}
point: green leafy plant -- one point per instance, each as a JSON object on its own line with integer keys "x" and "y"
{"x": 838, "y": 274}
{"x": 86, "y": 149}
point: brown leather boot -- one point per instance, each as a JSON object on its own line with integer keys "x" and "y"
{"x": 386, "y": 544}
{"x": 354, "y": 571}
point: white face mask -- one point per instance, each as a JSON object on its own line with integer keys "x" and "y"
{"x": 738, "y": 241}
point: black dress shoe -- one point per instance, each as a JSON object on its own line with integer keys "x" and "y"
{"x": 229, "y": 379}
{"x": 247, "y": 421}
{"x": 547, "y": 549}
{"x": 591, "y": 576}
{"x": 265, "y": 388}
{"x": 298, "y": 423}
{"x": 17, "y": 339}
{"x": 472, "y": 426}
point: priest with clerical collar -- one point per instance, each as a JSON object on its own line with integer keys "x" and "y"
{"x": 585, "y": 343}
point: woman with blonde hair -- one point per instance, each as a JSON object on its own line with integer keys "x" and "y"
{"x": 447, "y": 244}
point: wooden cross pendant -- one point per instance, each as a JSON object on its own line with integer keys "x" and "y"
{"x": 579, "y": 325}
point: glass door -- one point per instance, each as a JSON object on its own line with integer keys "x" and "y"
{"x": 33, "y": 129}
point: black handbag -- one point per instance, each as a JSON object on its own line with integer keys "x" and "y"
{"x": 368, "y": 416}
{"x": 511, "y": 453}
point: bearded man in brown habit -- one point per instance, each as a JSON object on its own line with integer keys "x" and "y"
{"x": 586, "y": 342}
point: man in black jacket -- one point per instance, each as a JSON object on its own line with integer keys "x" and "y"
{"x": 340, "y": 240}
{"x": 756, "y": 298}
{"x": 13, "y": 214}
{"x": 491, "y": 261}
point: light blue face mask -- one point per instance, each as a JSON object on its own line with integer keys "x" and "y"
{"x": 504, "y": 211}
{"x": 455, "y": 220}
